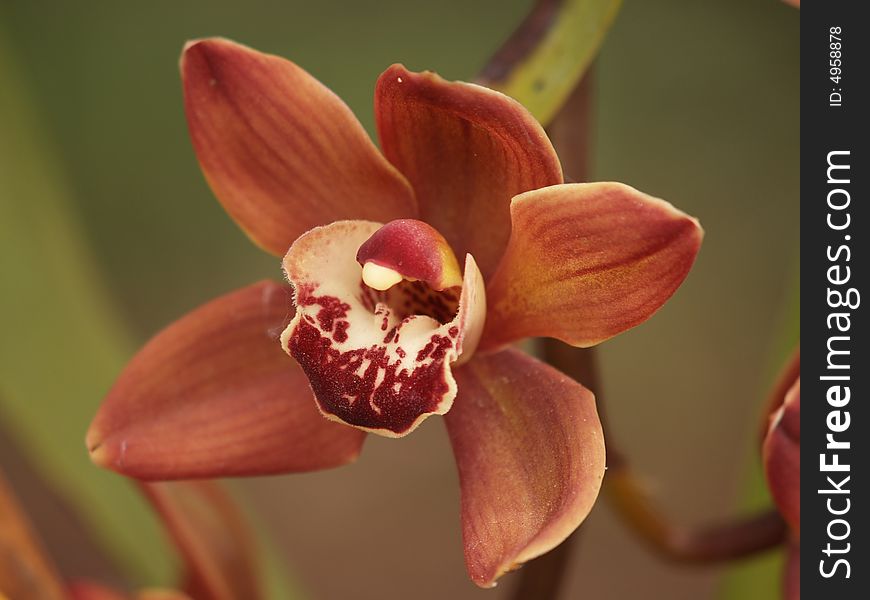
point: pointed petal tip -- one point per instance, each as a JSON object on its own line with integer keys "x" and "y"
{"x": 96, "y": 448}
{"x": 200, "y": 45}
{"x": 106, "y": 454}
{"x": 206, "y": 43}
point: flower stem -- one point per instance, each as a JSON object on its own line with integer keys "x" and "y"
{"x": 736, "y": 538}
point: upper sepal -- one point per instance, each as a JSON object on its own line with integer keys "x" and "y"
{"x": 466, "y": 150}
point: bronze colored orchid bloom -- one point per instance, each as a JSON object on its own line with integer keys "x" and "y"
{"x": 413, "y": 269}
{"x": 781, "y": 454}
{"x": 206, "y": 528}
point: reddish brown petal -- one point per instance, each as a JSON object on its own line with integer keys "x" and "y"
{"x": 414, "y": 250}
{"x": 782, "y": 457}
{"x": 213, "y": 395}
{"x": 467, "y": 151}
{"x": 530, "y": 453}
{"x": 25, "y": 570}
{"x": 586, "y": 262}
{"x": 281, "y": 152}
{"x": 377, "y": 360}
{"x": 212, "y": 538}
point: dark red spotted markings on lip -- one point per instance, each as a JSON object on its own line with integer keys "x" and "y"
{"x": 381, "y": 394}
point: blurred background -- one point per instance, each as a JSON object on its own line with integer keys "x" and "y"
{"x": 108, "y": 232}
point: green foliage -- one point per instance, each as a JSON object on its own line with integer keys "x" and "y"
{"x": 61, "y": 343}
{"x": 543, "y": 80}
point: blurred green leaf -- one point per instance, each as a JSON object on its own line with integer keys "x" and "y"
{"x": 63, "y": 344}
{"x": 543, "y": 78}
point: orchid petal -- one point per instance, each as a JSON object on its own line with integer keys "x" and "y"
{"x": 280, "y": 151}
{"x": 377, "y": 360}
{"x": 467, "y": 151}
{"x": 25, "y": 569}
{"x": 210, "y": 533}
{"x": 782, "y": 457}
{"x": 213, "y": 395}
{"x": 586, "y": 262}
{"x": 530, "y": 453}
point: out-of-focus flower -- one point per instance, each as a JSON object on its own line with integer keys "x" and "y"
{"x": 388, "y": 327}
{"x": 780, "y": 452}
{"x": 206, "y": 528}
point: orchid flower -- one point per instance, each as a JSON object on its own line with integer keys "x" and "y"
{"x": 781, "y": 455}
{"x": 412, "y": 270}
{"x": 206, "y": 528}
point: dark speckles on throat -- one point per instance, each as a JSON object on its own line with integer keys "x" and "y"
{"x": 370, "y": 387}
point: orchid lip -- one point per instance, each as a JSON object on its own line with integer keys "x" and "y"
{"x": 376, "y": 346}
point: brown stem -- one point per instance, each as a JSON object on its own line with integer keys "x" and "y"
{"x": 735, "y": 538}
{"x": 521, "y": 43}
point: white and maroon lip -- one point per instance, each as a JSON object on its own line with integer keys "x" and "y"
{"x": 377, "y": 360}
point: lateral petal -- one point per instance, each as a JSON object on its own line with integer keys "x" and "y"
{"x": 585, "y": 262}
